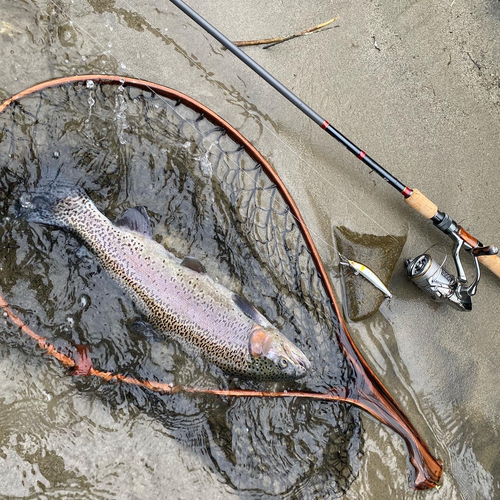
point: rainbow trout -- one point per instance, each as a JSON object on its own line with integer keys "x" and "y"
{"x": 177, "y": 296}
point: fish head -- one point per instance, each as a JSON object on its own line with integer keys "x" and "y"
{"x": 285, "y": 360}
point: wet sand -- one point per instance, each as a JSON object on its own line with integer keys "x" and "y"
{"x": 417, "y": 86}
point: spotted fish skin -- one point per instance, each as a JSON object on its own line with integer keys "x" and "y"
{"x": 185, "y": 304}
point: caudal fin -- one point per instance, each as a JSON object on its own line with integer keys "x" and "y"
{"x": 52, "y": 203}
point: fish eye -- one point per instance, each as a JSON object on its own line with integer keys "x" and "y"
{"x": 283, "y": 363}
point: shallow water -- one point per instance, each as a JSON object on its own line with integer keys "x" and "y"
{"x": 67, "y": 438}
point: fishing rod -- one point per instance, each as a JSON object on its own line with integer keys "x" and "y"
{"x": 431, "y": 277}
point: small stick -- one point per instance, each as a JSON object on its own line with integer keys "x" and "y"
{"x": 274, "y": 41}
{"x": 291, "y": 37}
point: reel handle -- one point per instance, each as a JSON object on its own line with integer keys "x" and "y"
{"x": 429, "y": 210}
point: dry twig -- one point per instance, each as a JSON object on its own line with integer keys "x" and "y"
{"x": 273, "y": 41}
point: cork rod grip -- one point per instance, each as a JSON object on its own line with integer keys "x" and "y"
{"x": 492, "y": 262}
{"x": 422, "y": 204}
{"x": 425, "y": 207}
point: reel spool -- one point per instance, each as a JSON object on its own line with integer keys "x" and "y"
{"x": 438, "y": 283}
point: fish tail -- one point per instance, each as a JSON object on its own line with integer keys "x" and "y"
{"x": 52, "y": 202}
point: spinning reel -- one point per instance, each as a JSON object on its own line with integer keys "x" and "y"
{"x": 436, "y": 281}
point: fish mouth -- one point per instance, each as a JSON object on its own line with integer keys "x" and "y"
{"x": 304, "y": 362}
{"x": 299, "y": 358}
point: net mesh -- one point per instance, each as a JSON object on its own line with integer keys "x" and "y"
{"x": 207, "y": 198}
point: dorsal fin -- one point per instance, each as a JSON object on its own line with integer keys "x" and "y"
{"x": 136, "y": 219}
{"x": 250, "y": 311}
{"x": 193, "y": 264}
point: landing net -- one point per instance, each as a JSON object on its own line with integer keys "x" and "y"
{"x": 211, "y": 196}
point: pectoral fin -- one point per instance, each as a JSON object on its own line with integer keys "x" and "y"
{"x": 250, "y": 311}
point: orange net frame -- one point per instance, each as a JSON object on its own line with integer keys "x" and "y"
{"x": 367, "y": 393}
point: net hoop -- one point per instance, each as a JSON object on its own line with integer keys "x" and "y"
{"x": 372, "y": 397}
